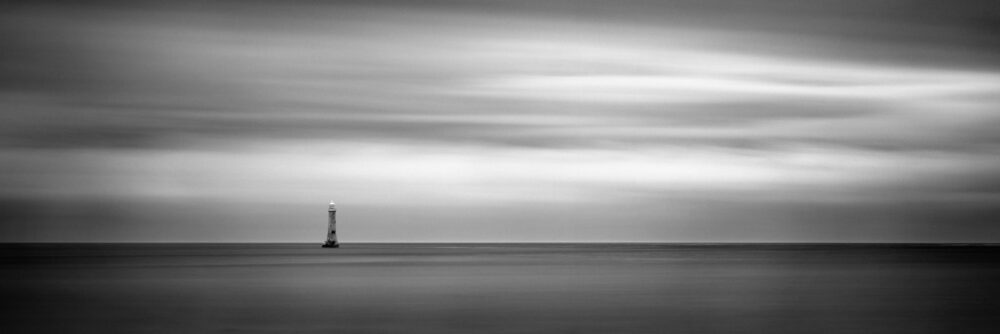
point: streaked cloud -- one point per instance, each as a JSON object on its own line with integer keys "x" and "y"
{"x": 692, "y": 120}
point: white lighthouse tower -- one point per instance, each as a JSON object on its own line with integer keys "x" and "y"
{"x": 331, "y": 232}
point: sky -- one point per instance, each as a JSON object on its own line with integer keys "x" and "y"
{"x": 500, "y": 121}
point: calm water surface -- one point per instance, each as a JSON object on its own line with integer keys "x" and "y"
{"x": 499, "y": 288}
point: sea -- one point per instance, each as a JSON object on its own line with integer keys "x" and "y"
{"x": 499, "y": 288}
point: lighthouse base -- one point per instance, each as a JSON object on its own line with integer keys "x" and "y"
{"x": 331, "y": 245}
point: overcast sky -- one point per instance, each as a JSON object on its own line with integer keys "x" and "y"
{"x": 693, "y": 121}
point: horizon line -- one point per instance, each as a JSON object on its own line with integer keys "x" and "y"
{"x": 524, "y": 242}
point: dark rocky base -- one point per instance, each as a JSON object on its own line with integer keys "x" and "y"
{"x": 331, "y": 245}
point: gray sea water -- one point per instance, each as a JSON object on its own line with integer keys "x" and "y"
{"x": 499, "y": 288}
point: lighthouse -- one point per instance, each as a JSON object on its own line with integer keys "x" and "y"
{"x": 331, "y": 232}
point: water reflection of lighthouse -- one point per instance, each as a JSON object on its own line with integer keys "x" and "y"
{"x": 331, "y": 232}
